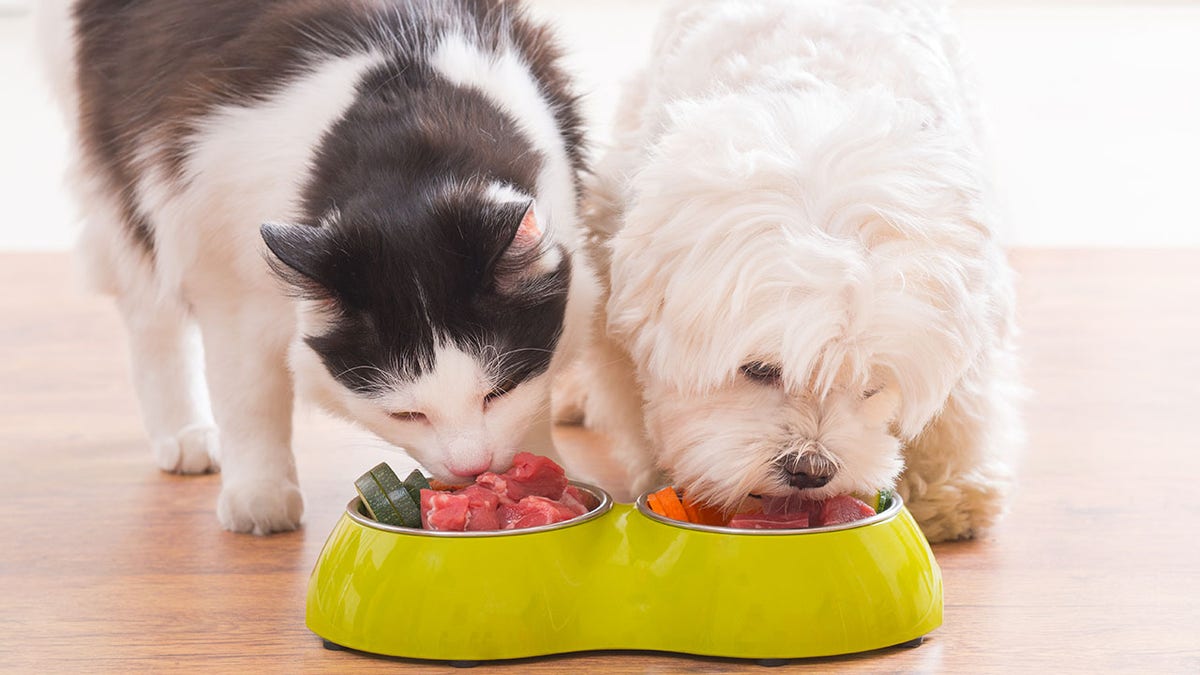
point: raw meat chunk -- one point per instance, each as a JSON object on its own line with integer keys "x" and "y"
{"x": 444, "y": 511}
{"x": 533, "y": 475}
{"x": 843, "y": 509}
{"x": 533, "y": 511}
{"x": 770, "y": 521}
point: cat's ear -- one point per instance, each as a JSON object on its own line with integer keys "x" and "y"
{"x": 529, "y": 232}
{"x": 528, "y": 254}
{"x": 297, "y": 256}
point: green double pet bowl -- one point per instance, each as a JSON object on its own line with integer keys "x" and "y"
{"x": 623, "y": 577}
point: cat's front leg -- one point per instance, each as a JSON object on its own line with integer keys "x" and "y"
{"x": 245, "y": 342}
{"x": 613, "y": 408}
{"x": 539, "y": 438}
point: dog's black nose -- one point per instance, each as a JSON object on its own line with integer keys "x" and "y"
{"x": 808, "y": 470}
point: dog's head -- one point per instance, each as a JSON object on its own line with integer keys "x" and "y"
{"x": 794, "y": 280}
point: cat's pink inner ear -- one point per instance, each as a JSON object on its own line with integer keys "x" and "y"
{"x": 529, "y": 234}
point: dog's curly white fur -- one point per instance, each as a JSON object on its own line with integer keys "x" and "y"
{"x": 797, "y": 232}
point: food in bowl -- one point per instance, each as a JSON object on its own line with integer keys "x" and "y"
{"x": 770, "y": 513}
{"x": 534, "y": 492}
{"x": 389, "y": 500}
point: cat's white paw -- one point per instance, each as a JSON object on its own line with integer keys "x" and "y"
{"x": 193, "y": 450}
{"x": 260, "y": 506}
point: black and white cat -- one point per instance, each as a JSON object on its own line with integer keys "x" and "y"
{"x": 412, "y": 167}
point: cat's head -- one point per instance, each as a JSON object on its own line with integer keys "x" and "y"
{"x": 430, "y": 322}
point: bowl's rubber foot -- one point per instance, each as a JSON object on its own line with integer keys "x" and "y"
{"x": 912, "y": 644}
{"x": 773, "y": 663}
{"x": 463, "y": 664}
{"x": 332, "y": 646}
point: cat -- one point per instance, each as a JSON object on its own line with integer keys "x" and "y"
{"x": 371, "y": 202}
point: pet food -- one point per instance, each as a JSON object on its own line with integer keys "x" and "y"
{"x": 533, "y": 511}
{"x": 389, "y": 500}
{"x": 770, "y": 513}
{"x": 533, "y": 492}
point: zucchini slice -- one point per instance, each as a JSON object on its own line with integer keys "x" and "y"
{"x": 378, "y": 505}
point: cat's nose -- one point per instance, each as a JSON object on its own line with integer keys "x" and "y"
{"x": 468, "y": 469}
{"x": 808, "y": 470}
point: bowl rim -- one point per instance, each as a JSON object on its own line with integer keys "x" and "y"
{"x": 605, "y": 505}
{"x": 890, "y": 512}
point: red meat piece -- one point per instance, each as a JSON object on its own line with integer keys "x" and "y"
{"x": 533, "y": 511}
{"x": 794, "y": 511}
{"x": 793, "y": 504}
{"x": 497, "y": 484}
{"x": 770, "y": 521}
{"x": 789, "y": 503}
{"x": 444, "y": 511}
{"x": 843, "y": 509}
{"x": 574, "y": 499}
{"x": 533, "y": 475}
{"x": 534, "y": 492}
{"x": 482, "y": 508}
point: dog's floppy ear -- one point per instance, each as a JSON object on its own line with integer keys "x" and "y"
{"x": 923, "y": 393}
{"x": 298, "y": 255}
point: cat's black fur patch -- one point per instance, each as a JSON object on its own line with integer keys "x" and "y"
{"x": 397, "y": 234}
{"x": 399, "y": 283}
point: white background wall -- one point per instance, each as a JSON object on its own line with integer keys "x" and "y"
{"x": 1095, "y": 110}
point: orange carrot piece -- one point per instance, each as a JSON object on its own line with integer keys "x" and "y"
{"x": 711, "y": 516}
{"x": 653, "y": 503}
{"x": 442, "y": 487}
{"x": 672, "y": 507}
{"x": 701, "y": 514}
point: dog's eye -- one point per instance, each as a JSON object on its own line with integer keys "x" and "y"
{"x": 408, "y": 416}
{"x": 871, "y": 392}
{"x": 763, "y": 373}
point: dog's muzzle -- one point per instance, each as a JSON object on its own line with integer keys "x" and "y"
{"x": 807, "y": 470}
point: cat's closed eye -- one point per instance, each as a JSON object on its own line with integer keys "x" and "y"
{"x": 499, "y": 391}
{"x": 409, "y": 416}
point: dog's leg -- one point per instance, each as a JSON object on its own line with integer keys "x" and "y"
{"x": 959, "y": 470}
{"x": 246, "y": 336}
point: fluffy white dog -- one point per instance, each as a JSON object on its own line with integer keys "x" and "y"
{"x": 805, "y": 291}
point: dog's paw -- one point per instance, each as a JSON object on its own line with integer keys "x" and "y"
{"x": 260, "y": 506}
{"x": 961, "y": 507}
{"x": 193, "y": 450}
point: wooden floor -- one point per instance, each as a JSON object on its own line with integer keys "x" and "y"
{"x": 107, "y": 564}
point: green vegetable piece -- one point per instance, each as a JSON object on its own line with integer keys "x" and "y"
{"x": 416, "y": 482}
{"x": 397, "y": 493}
{"x": 387, "y": 479}
{"x": 886, "y": 497}
{"x": 376, "y": 501}
{"x": 407, "y": 507}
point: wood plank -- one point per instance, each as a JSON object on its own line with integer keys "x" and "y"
{"x": 109, "y": 565}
